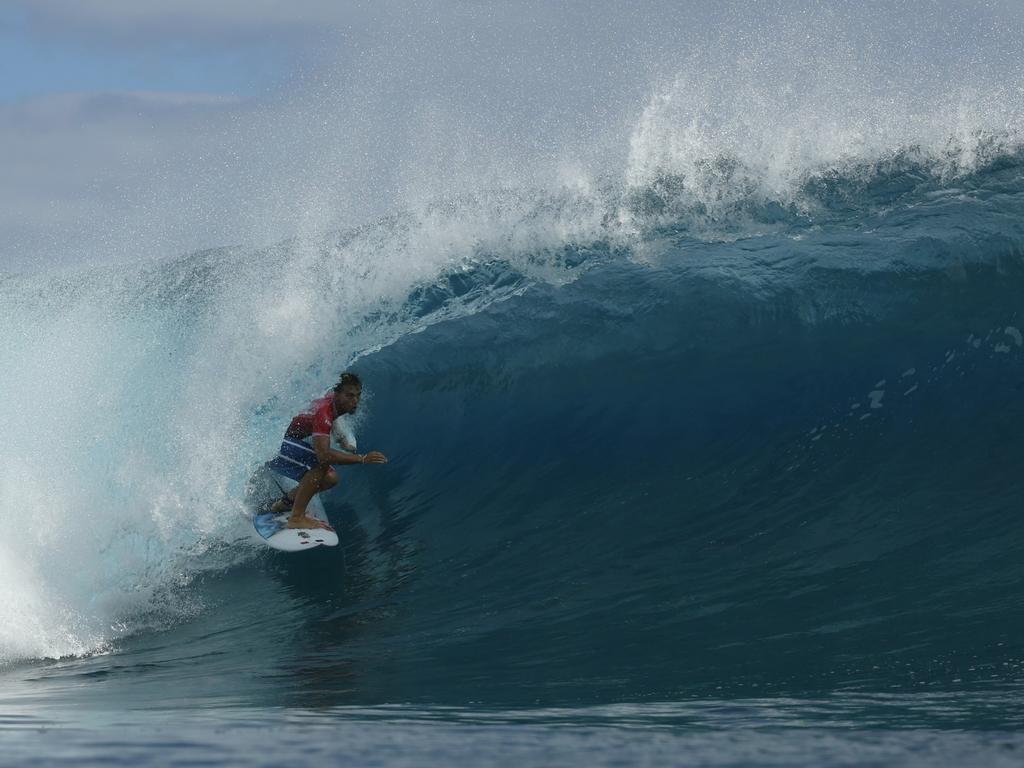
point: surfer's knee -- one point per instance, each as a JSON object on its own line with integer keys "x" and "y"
{"x": 331, "y": 478}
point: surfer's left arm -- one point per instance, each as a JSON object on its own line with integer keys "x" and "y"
{"x": 327, "y": 455}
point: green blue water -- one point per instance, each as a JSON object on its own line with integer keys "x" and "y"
{"x": 719, "y": 464}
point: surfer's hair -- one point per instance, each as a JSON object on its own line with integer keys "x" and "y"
{"x": 347, "y": 379}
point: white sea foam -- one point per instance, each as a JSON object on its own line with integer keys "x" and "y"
{"x": 131, "y": 397}
{"x": 772, "y": 119}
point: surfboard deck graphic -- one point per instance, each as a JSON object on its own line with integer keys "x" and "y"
{"x": 272, "y": 527}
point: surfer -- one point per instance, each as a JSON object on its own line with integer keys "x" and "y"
{"x": 306, "y": 454}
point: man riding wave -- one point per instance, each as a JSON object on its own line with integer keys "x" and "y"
{"x": 306, "y": 454}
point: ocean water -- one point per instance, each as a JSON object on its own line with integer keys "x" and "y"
{"x": 713, "y": 460}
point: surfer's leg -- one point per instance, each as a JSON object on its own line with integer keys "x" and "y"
{"x": 330, "y": 480}
{"x": 284, "y": 504}
{"x": 295, "y": 460}
{"x": 312, "y": 483}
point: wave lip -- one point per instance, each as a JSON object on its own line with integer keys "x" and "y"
{"x": 728, "y": 162}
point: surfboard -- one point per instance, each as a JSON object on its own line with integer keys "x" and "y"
{"x": 272, "y": 528}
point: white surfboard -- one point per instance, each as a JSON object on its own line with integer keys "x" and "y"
{"x": 273, "y": 528}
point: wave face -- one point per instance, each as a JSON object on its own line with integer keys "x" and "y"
{"x": 779, "y": 463}
{"x": 700, "y": 430}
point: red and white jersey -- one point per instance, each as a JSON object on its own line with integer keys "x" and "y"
{"x": 315, "y": 420}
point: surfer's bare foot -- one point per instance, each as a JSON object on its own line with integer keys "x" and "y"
{"x": 305, "y": 522}
{"x": 281, "y": 505}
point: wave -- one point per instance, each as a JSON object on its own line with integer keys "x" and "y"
{"x": 645, "y": 437}
{"x": 685, "y": 487}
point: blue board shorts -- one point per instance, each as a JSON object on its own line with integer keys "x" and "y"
{"x": 295, "y": 459}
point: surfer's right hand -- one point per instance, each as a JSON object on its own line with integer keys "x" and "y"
{"x": 374, "y": 457}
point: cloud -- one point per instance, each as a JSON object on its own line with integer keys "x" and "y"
{"x": 130, "y": 24}
{"x": 84, "y": 174}
{"x": 119, "y": 177}
{"x": 420, "y": 109}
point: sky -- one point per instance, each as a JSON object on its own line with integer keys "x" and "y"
{"x": 138, "y": 130}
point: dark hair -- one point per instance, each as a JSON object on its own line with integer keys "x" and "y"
{"x": 346, "y": 379}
